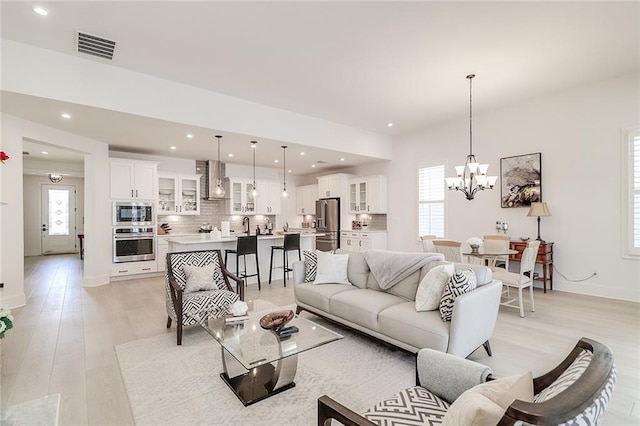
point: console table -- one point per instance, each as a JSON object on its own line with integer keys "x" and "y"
{"x": 544, "y": 258}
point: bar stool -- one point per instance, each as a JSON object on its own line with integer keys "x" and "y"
{"x": 291, "y": 242}
{"x": 245, "y": 246}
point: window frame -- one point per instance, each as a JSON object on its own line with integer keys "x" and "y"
{"x": 418, "y": 203}
{"x": 630, "y": 137}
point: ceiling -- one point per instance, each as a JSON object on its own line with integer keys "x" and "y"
{"x": 362, "y": 64}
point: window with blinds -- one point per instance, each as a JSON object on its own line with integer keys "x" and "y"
{"x": 431, "y": 201}
{"x": 634, "y": 195}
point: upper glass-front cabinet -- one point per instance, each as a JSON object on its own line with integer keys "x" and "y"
{"x": 178, "y": 194}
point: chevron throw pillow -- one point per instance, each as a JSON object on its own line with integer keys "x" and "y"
{"x": 310, "y": 266}
{"x": 461, "y": 282}
{"x": 411, "y": 407}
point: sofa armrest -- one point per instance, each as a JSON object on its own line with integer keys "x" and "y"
{"x": 474, "y": 318}
{"x": 448, "y": 376}
{"x": 329, "y": 409}
{"x": 298, "y": 272}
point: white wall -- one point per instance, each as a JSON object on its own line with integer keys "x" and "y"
{"x": 97, "y": 224}
{"x": 45, "y": 73}
{"x": 33, "y": 210}
{"x": 578, "y": 133}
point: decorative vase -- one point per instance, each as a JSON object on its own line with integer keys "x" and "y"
{"x": 474, "y": 248}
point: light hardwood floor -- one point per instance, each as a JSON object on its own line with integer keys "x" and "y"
{"x": 63, "y": 340}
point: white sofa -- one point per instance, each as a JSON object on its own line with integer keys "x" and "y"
{"x": 390, "y": 315}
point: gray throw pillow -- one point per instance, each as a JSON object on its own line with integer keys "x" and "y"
{"x": 202, "y": 278}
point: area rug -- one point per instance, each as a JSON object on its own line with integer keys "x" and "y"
{"x": 180, "y": 385}
{"x": 41, "y": 411}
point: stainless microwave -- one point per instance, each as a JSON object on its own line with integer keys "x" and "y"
{"x": 127, "y": 213}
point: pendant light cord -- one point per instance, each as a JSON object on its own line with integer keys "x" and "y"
{"x": 470, "y": 77}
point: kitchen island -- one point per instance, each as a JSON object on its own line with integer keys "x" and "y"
{"x": 265, "y": 242}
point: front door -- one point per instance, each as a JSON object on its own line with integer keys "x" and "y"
{"x": 58, "y": 219}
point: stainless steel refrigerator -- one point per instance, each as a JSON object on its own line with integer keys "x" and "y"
{"x": 328, "y": 223}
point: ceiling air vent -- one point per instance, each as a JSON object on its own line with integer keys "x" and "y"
{"x": 96, "y": 46}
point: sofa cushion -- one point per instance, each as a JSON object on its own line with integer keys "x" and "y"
{"x": 461, "y": 282}
{"x": 318, "y": 295}
{"x": 415, "y": 406}
{"x": 431, "y": 287}
{"x": 419, "y": 329}
{"x": 483, "y": 273}
{"x": 357, "y": 268}
{"x": 486, "y": 403}
{"x": 332, "y": 268}
{"x": 406, "y": 288}
{"x": 362, "y": 306}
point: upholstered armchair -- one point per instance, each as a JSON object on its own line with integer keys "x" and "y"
{"x": 197, "y": 282}
{"x": 456, "y": 391}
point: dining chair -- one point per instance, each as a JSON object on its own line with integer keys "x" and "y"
{"x": 452, "y": 250}
{"x": 427, "y": 243}
{"x": 523, "y": 279}
{"x": 497, "y": 244}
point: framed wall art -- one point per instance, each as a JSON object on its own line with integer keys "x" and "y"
{"x": 521, "y": 180}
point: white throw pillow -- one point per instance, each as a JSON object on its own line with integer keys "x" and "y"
{"x": 486, "y": 403}
{"x": 200, "y": 278}
{"x": 432, "y": 285}
{"x": 332, "y": 268}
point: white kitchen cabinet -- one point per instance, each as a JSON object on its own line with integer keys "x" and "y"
{"x": 133, "y": 180}
{"x": 270, "y": 200}
{"x": 178, "y": 194}
{"x": 131, "y": 268}
{"x": 240, "y": 200}
{"x": 360, "y": 241}
{"x": 336, "y": 185}
{"x": 368, "y": 195}
{"x": 306, "y": 197}
{"x": 162, "y": 248}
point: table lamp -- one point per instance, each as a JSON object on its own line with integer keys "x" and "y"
{"x": 540, "y": 210}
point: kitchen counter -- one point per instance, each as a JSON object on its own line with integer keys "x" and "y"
{"x": 265, "y": 242}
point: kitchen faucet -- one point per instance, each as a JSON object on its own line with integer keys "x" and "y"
{"x": 245, "y": 225}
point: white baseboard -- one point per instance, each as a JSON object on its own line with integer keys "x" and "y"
{"x": 15, "y": 301}
{"x": 95, "y": 281}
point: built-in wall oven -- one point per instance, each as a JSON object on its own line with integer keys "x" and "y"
{"x": 133, "y": 244}
{"x": 128, "y": 213}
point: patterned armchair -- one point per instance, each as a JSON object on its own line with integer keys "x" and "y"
{"x": 187, "y": 297}
{"x": 576, "y": 392}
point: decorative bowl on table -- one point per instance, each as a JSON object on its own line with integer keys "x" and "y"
{"x": 276, "y": 320}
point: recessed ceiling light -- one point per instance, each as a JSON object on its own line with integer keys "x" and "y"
{"x": 45, "y": 152}
{"x": 389, "y": 124}
{"x": 302, "y": 153}
{"x": 313, "y": 165}
{"x": 65, "y": 115}
{"x": 342, "y": 159}
{"x": 275, "y": 161}
{"x": 41, "y": 11}
{"x": 230, "y": 155}
{"x": 289, "y": 170}
{"x": 172, "y": 147}
{"x": 189, "y": 135}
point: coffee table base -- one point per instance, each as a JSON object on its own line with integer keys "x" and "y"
{"x": 255, "y": 385}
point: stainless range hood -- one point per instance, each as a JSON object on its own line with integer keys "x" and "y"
{"x": 215, "y": 170}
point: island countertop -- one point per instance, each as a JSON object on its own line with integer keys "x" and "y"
{"x": 265, "y": 242}
{"x": 206, "y": 238}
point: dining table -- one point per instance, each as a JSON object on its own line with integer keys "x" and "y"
{"x": 488, "y": 257}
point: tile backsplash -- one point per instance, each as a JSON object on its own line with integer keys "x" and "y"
{"x": 212, "y": 212}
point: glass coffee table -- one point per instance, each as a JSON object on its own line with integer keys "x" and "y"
{"x": 259, "y": 363}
